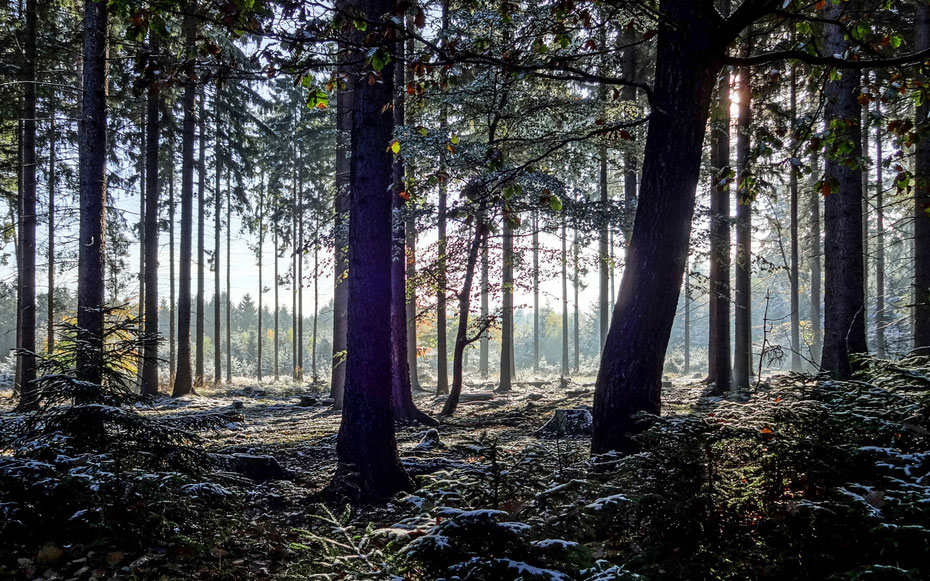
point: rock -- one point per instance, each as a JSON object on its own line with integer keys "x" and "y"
{"x": 466, "y": 397}
{"x": 50, "y": 555}
{"x": 237, "y": 405}
{"x": 256, "y": 467}
{"x": 567, "y": 423}
{"x": 308, "y": 401}
{"x": 534, "y": 396}
{"x": 666, "y": 383}
{"x": 430, "y": 440}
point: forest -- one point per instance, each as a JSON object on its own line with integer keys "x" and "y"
{"x": 465, "y": 290}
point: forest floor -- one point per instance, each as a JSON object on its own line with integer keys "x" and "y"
{"x": 489, "y": 457}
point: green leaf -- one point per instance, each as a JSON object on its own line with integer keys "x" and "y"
{"x": 555, "y": 203}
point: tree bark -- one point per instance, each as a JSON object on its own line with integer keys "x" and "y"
{"x": 564, "y": 300}
{"x": 690, "y": 52}
{"x": 844, "y": 323}
{"x": 742, "y": 307}
{"x": 369, "y": 466}
{"x": 217, "y": 233}
{"x": 718, "y": 346}
{"x": 506, "y": 375}
{"x": 201, "y": 240}
{"x": 922, "y": 197}
{"x": 172, "y": 296}
{"x": 442, "y": 355}
{"x": 813, "y": 207}
{"x": 261, "y": 282}
{"x": 52, "y": 184}
{"x": 183, "y": 381}
{"x": 536, "y": 293}
{"x": 880, "y": 348}
{"x": 484, "y": 346}
{"x": 228, "y": 279}
{"x": 152, "y": 135}
{"x": 576, "y": 327}
{"x": 93, "y": 148}
{"x": 27, "y": 355}
{"x": 345, "y": 104}
{"x": 794, "y": 274}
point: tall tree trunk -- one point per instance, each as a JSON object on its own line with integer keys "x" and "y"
{"x": 844, "y": 324}
{"x": 316, "y": 305}
{"x": 880, "y": 349}
{"x": 27, "y": 280}
{"x": 142, "y": 180}
{"x": 687, "y": 368}
{"x": 405, "y": 411}
{"x": 564, "y": 301}
{"x": 922, "y": 197}
{"x": 410, "y": 228}
{"x": 577, "y": 322}
{"x": 152, "y": 135}
{"x": 442, "y": 355}
{"x": 603, "y": 262}
{"x": 295, "y": 277}
{"x": 300, "y": 268}
{"x": 484, "y": 346}
{"x": 228, "y": 279}
{"x": 183, "y": 381}
{"x": 462, "y": 340}
{"x": 718, "y": 345}
{"x": 52, "y": 183}
{"x": 172, "y": 296}
{"x": 261, "y": 282}
{"x": 690, "y": 51}
{"x": 536, "y": 293}
{"x": 217, "y": 233}
{"x": 795, "y": 266}
{"x": 813, "y": 208}
{"x": 742, "y": 311}
{"x": 369, "y": 466}
{"x": 628, "y": 93}
{"x": 93, "y": 147}
{"x": 345, "y": 104}
{"x": 277, "y": 327}
{"x": 864, "y": 131}
{"x": 201, "y": 212}
{"x": 506, "y": 369}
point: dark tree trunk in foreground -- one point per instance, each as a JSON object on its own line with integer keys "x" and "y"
{"x": 844, "y": 322}
{"x": 689, "y": 55}
{"x": 150, "y": 354}
{"x": 742, "y": 307}
{"x": 201, "y": 212}
{"x": 718, "y": 344}
{"x": 369, "y": 467}
{"x": 183, "y": 381}
{"x": 28, "y": 248}
{"x": 922, "y": 199}
{"x": 93, "y": 148}
{"x": 345, "y": 103}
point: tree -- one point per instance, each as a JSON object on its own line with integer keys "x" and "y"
{"x": 201, "y": 238}
{"x": 369, "y": 466}
{"x": 345, "y": 105}
{"x": 844, "y": 300}
{"x": 183, "y": 381}
{"x": 742, "y": 311}
{"x": 153, "y": 132}
{"x": 92, "y": 160}
{"x": 921, "y": 323}
{"x": 217, "y": 234}
{"x": 28, "y": 248}
{"x": 718, "y": 344}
